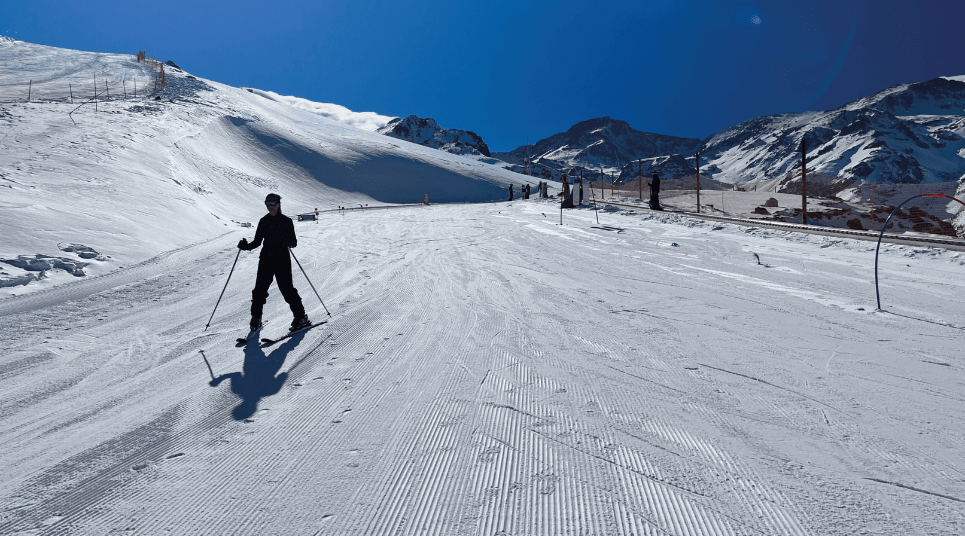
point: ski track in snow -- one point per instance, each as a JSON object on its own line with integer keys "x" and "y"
{"x": 481, "y": 378}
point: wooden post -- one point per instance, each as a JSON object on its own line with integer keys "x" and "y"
{"x": 95, "y": 92}
{"x": 29, "y": 87}
{"x": 108, "y": 90}
{"x": 135, "y": 88}
{"x": 640, "y": 176}
{"x": 611, "y": 184}
{"x": 124, "y": 85}
{"x": 602, "y": 182}
{"x": 804, "y": 179}
{"x": 71, "y": 88}
{"x": 697, "y": 161}
{"x": 874, "y": 217}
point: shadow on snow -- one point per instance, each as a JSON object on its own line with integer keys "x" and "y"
{"x": 259, "y": 376}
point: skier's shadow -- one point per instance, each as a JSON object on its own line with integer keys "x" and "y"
{"x": 259, "y": 376}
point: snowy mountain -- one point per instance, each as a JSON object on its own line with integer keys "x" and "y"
{"x": 670, "y": 167}
{"x": 910, "y": 133}
{"x": 130, "y": 177}
{"x": 595, "y": 144}
{"x": 486, "y": 368}
{"x": 428, "y": 133}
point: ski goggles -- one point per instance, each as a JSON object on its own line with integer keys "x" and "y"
{"x": 270, "y": 203}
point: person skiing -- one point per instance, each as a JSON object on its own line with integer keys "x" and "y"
{"x": 510, "y": 192}
{"x": 278, "y": 234}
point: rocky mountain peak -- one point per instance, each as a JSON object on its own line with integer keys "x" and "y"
{"x": 427, "y": 132}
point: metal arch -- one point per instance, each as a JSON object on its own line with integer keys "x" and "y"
{"x": 878, "y": 247}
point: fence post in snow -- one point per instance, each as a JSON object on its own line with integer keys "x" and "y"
{"x": 804, "y": 179}
{"x": 124, "y": 85}
{"x": 29, "y": 87}
{"x": 108, "y": 90}
{"x": 95, "y": 92}
{"x": 697, "y": 162}
{"x": 640, "y": 176}
{"x": 71, "y": 88}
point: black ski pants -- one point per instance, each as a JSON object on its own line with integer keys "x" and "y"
{"x": 279, "y": 268}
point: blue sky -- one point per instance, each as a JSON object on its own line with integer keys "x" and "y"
{"x": 514, "y": 71}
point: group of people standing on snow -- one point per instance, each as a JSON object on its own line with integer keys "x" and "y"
{"x": 575, "y": 197}
{"x": 527, "y": 190}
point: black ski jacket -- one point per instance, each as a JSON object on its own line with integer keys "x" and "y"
{"x": 278, "y": 233}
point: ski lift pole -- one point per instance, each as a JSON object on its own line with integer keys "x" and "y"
{"x": 309, "y": 280}
{"x": 222, "y": 290}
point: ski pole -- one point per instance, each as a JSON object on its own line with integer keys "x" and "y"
{"x": 307, "y": 279}
{"x": 222, "y": 290}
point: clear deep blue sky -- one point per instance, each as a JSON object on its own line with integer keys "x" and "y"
{"x": 518, "y": 70}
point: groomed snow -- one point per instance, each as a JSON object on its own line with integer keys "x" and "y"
{"x": 486, "y": 370}
{"x": 489, "y": 370}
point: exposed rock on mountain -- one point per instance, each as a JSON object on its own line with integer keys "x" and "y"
{"x": 667, "y": 167}
{"x": 602, "y": 143}
{"x": 427, "y": 132}
{"x": 911, "y": 133}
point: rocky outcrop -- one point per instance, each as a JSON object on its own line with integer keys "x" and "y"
{"x": 428, "y": 133}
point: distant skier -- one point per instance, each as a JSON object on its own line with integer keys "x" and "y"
{"x": 655, "y": 192}
{"x": 510, "y": 192}
{"x": 278, "y": 233}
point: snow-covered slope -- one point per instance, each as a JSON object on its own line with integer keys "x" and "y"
{"x": 488, "y": 371}
{"x": 364, "y": 120}
{"x": 673, "y": 166}
{"x": 144, "y": 175}
{"x": 911, "y": 133}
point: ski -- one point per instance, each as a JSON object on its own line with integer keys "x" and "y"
{"x": 245, "y": 340}
{"x": 268, "y": 342}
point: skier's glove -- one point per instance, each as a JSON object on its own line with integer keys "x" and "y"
{"x": 243, "y": 243}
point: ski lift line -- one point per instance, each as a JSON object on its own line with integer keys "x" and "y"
{"x": 885, "y": 226}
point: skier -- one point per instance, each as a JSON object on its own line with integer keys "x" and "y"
{"x": 510, "y": 192}
{"x": 278, "y": 233}
{"x": 655, "y": 192}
